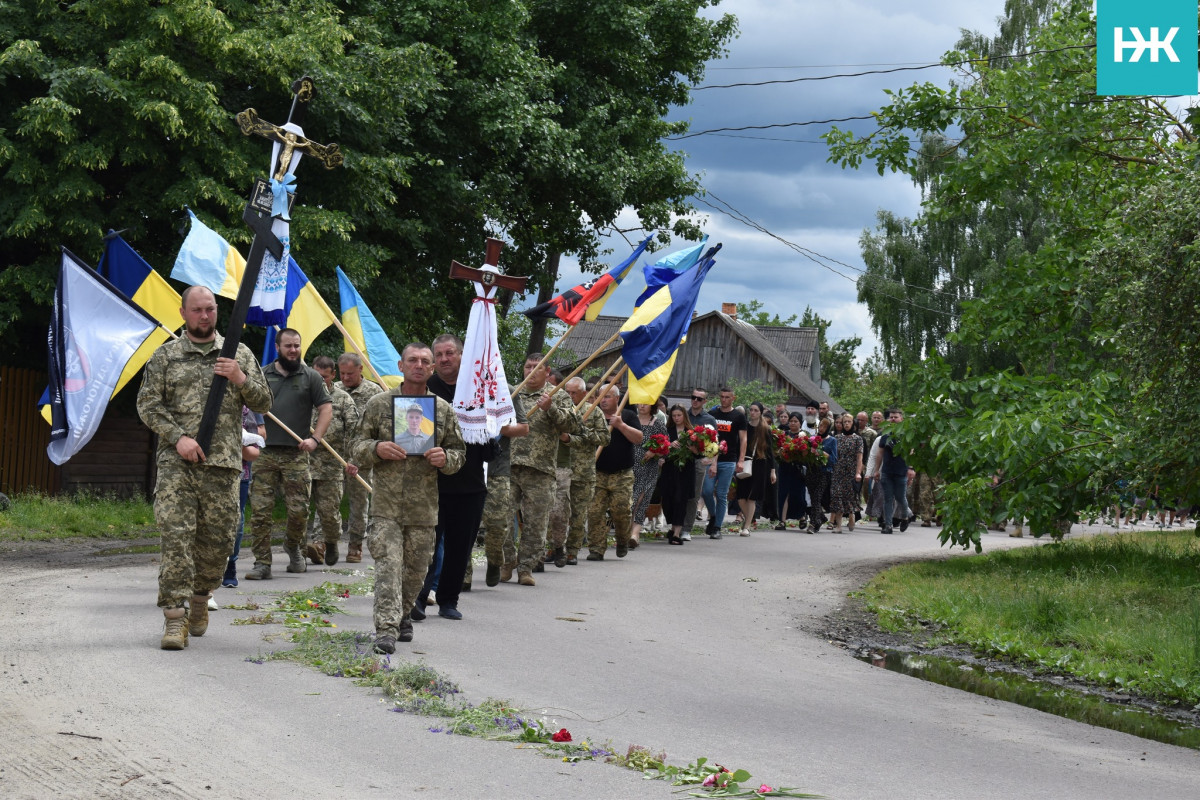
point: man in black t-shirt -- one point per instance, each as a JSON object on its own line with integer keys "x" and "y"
{"x": 731, "y": 429}
{"x": 614, "y": 479}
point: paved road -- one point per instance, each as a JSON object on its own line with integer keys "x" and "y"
{"x": 698, "y": 650}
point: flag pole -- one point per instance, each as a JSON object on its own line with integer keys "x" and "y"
{"x": 608, "y": 388}
{"x": 582, "y": 366}
{"x": 546, "y": 357}
{"x": 591, "y": 393}
{"x": 353, "y": 344}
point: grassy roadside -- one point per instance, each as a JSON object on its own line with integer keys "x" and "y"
{"x": 37, "y": 517}
{"x": 1120, "y": 610}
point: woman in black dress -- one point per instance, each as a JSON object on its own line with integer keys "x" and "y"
{"x": 791, "y": 481}
{"x": 677, "y": 482}
{"x": 752, "y": 491}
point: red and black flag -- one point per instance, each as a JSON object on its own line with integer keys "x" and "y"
{"x": 586, "y": 300}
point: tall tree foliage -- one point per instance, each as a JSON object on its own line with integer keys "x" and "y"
{"x": 455, "y": 117}
{"x": 1048, "y": 435}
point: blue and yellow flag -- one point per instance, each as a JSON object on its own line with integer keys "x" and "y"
{"x": 368, "y": 334}
{"x": 306, "y": 310}
{"x": 653, "y": 333}
{"x": 206, "y": 259}
{"x": 668, "y": 268}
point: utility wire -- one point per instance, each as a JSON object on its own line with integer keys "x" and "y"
{"x": 818, "y": 258}
{"x": 892, "y": 69}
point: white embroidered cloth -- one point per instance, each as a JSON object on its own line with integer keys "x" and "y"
{"x": 481, "y": 399}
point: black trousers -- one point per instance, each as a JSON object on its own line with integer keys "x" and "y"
{"x": 459, "y": 516}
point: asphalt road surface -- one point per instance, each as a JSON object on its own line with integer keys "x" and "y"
{"x": 700, "y": 650}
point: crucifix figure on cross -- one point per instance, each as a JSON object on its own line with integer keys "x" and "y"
{"x": 481, "y": 398}
{"x": 267, "y": 212}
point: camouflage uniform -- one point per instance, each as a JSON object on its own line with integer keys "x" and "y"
{"x": 327, "y": 472}
{"x": 614, "y": 494}
{"x": 592, "y": 433}
{"x": 282, "y": 464}
{"x": 196, "y": 504}
{"x": 533, "y": 470}
{"x": 925, "y": 491}
{"x": 404, "y": 511}
{"x": 560, "y": 511}
{"x": 360, "y": 498}
{"x": 498, "y": 541}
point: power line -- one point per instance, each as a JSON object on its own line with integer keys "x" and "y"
{"x": 891, "y": 69}
{"x": 819, "y": 259}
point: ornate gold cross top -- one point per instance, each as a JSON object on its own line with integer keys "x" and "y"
{"x": 328, "y": 154}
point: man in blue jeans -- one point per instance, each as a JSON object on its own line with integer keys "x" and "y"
{"x": 893, "y": 475}
{"x": 731, "y": 429}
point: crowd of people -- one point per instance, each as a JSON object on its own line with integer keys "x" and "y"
{"x": 575, "y": 466}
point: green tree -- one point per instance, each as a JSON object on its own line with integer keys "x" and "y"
{"x": 450, "y": 113}
{"x": 1044, "y": 437}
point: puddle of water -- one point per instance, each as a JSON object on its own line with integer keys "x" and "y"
{"x": 1052, "y": 699}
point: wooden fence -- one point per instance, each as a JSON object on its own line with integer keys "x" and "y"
{"x": 118, "y": 460}
{"x": 23, "y": 462}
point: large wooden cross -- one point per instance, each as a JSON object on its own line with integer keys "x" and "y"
{"x": 258, "y": 215}
{"x": 487, "y": 278}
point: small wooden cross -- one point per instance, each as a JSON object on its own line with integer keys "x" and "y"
{"x": 487, "y": 278}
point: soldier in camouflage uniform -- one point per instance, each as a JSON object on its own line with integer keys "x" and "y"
{"x": 560, "y": 511}
{"x": 925, "y": 494}
{"x": 360, "y": 391}
{"x": 196, "y": 495}
{"x": 534, "y": 460}
{"x": 498, "y": 542}
{"x": 591, "y": 433}
{"x": 404, "y": 509}
{"x": 327, "y": 471}
{"x": 299, "y": 393}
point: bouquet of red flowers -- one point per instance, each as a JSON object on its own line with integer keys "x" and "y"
{"x": 801, "y": 449}
{"x": 703, "y": 441}
{"x": 657, "y": 446}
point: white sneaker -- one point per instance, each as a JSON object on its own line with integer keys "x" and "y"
{"x": 212, "y": 603}
{"x": 687, "y": 537}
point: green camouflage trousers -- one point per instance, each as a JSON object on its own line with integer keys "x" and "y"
{"x": 614, "y": 494}
{"x": 560, "y": 512}
{"x": 582, "y": 489}
{"x": 327, "y": 505}
{"x": 925, "y": 490}
{"x": 196, "y": 508}
{"x": 532, "y": 496}
{"x": 360, "y": 503}
{"x": 498, "y": 541}
{"x": 402, "y": 554}
{"x": 278, "y": 465}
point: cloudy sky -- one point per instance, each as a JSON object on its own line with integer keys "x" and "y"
{"x": 779, "y": 178}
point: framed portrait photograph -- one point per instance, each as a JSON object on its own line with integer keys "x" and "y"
{"x": 412, "y": 423}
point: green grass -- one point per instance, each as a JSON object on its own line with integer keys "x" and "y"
{"x": 37, "y": 517}
{"x": 1120, "y": 610}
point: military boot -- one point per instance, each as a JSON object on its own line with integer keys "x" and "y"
{"x": 175, "y": 630}
{"x": 198, "y": 614}
{"x": 296, "y": 562}
{"x": 354, "y": 553}
{"x": 315, "y": 552}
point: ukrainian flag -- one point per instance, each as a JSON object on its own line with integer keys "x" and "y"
{"x": 208, "y": 260}
{"x": 652, "y": 335}
{"x": 306, "y": 311}
{"x": 367, "y": 333}
{"x": 668, "y": 268}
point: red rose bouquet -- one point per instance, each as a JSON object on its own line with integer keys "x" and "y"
{"x": 658, "y": 446}
{"x": 801, "y": 449}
